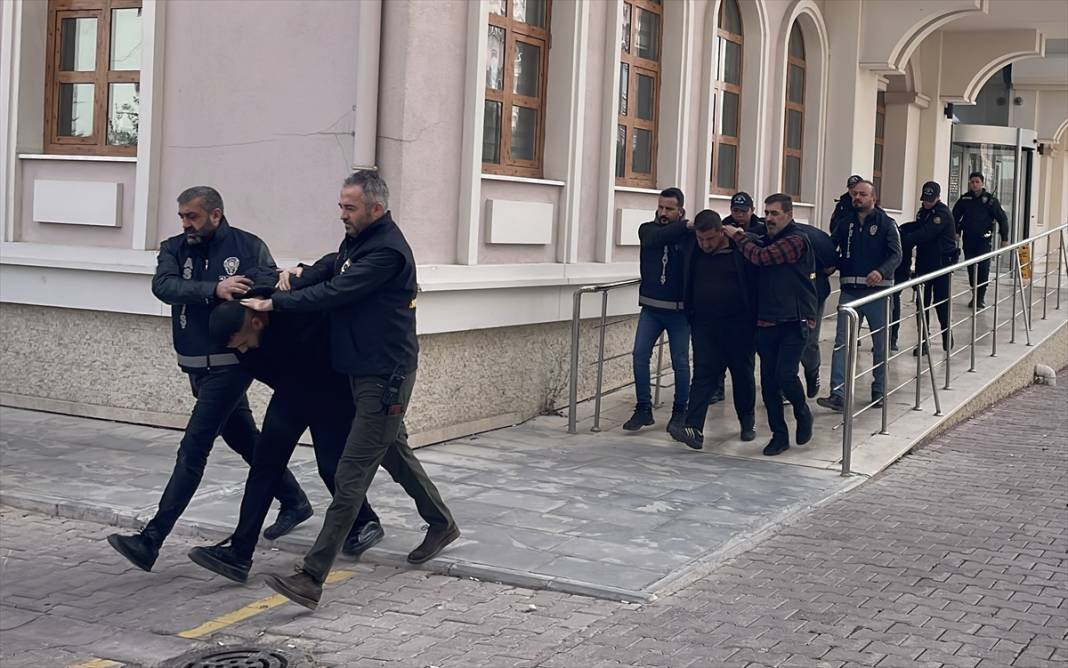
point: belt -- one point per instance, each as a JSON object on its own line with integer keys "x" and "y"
{"x": 863, "y": 282}
{"x": 660, "y": 303}
{"x": 207, "y": 361}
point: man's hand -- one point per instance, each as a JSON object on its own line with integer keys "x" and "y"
{"x": 1004, "y": 243}
{"x": 283, "y": 278}
{"x": 872, "y": 278}
{"x": 733, "y": 232}
{"x": 232, "y": 286}
{"x": 257, "y": 304}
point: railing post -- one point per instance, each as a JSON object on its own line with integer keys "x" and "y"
{"x": 853, "y": 322}
{"x": 1060, "y": 267}
{"x": 887, "y": 315}
{"x": 1045, "y": 275}
{"x": 1016, "y": 287}
{"x": 1025, "y": 306}
{"x": 918, "y": 298}
{"x": 975, "y": 318}
{"x": 925, "y": 351}
{"x": 947, "y": 336}
{"x": 600, "y": 363}
{"x": 659, "y": 369}
{"x": 572, "y": 392}
{"x": 997, "y": 284}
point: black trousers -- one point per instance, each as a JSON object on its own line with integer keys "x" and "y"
{"x": 725, "y": 345}
{"x": 810, "y": 358}
{"x": 938, "y": 289}
{"x": 328, "y": 416}
{"x": 221, "y": 410}
{"x": 780, "y": 348}
{"x": 981, "y": 268}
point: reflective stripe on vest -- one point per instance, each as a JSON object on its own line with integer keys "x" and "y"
{"x": 207, "y": 361}
{"x": 863, "y": 282}
{"x": 660, "y": 303}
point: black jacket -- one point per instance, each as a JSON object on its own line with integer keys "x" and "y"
{"x": 824, "y": 257}
{"x": 746, "y": 272}
{"x": 874, "y": 244}
{"x": 786, "y": 292}
{"x": 369, "y": 289}
{"x": 756, "y": 226}
{"x": 933, "y": 236}
{"x": 661, "y": 260}
{"x": 186, "y": 277}
{"x": 975, "y": 217}
{"x": 843, "y": 206}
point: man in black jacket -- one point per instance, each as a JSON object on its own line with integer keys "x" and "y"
{"x": 786, "y": 313}
{"x": 976, "y": 213}
{"x": 935, "y": 242}
{"x": 826, "y": 260}
{"x": 197, "y": 270}
{"x": 843, "y": 206}
{"x": 368, "y": 288}
{"x": 663, "y": 242}
{"x": 290, "y": 353}
{"x": 720, "y": 296}
{"x": 869, "y": 250}
{"x": 743, "y": 216}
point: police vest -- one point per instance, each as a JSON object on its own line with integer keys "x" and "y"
{"x": 865, "y": 250}
{"x": 787, "y": 292}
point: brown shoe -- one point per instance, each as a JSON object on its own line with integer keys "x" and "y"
{"x": 434, "y": 542}
{"x": 300, "y": 588}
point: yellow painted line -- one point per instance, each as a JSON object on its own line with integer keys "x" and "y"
{"x": 250, "y": 610}
{"x": 98, "y": 663}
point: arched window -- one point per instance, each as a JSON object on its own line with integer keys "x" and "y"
{"x": 516, "y": 65}
{"x": 794, "y": 134}
{"x": 639, "y": 92}
{"x": 727, "y": 99}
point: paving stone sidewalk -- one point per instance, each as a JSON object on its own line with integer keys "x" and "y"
{"x": 956, "y": 556}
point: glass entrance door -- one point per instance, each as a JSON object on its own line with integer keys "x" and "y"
{"x": 1003, "y": 155}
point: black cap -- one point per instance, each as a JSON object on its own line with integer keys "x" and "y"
{"x": 741, "y": 201}
{"x": 854, "y": 180}
{"x": 931, "y": 191}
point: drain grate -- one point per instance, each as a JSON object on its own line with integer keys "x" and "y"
{"x": 234, "y": 657}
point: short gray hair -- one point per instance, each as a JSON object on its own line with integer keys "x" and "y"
{"x": 375, "y": 190}
{"x": 210, "y": 197}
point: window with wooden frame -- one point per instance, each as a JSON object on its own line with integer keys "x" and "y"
{"x": 639, "y": 94}
{"x": 727, "y": 99}
{"x": 794, "y": 132}
{"x": 93, "y": 77}
{"x": 517, "y": 64}
{"x": 880, "y": 136}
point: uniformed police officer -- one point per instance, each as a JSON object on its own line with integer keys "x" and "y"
{"x": 934, "y": 238}
{"x": 196, "y": 270}
{"x": 843, "y": 207}
{"x": 368, "y": 288}
{"x": 975, "y": 213}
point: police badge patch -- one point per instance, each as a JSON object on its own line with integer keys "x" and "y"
{"x": 230, "y": 265}
{"x": 187, "y": 269}
{"x": 873, "y": 230}
{"x": 937, "y": 220}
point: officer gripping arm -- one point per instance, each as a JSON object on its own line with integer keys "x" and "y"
{"x": 170, "y": 288}
{"x": 358, "y": 280}
{"x": 655, "y": 234}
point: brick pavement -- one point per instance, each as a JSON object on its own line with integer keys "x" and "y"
{"x": 957, "y": 556}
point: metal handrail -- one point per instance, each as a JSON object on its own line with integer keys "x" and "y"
{"x": 576, "y": 319}
{"x": 1026, "y": 297}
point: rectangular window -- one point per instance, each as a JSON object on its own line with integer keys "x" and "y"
{"x": 727, "y": 95}
{"x": 93, "y": 77}
{"x": 639, "y": 93}
{"x": 517, "y": 62}
{"x": 794, "y": 115}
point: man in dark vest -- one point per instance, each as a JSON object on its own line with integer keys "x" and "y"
{"x": 663, "y": 241}
{"x": 786, "y": 314}
{"x": 720, "y": 297}
{"x": 368, "y": 288}
{"x": 826, "y": 264}
{"x": 196, "y": 270}
{"x": 977, "y": 212}
{"x": 290, "y": 353}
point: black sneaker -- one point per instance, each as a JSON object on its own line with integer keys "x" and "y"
{"x": 223, "y": 560}
{"x": 919, "y": 350}
{"x": 717, "y": 397}
{"x": 834, "y": 402}
{"x": 643, "y": 417}
{"x": 691, "y": 436}
{"x": 893, "y": 346}
{"x": 360, "y": 541}
{"x": 876, "y": 401}
{"x": 748, "y": 434}
{"x": 139, "y": 549}
{"x": 776, "y": 447}
{"x": 287, "y": 520}
{"x": 677, "y": 418}
{"x": 812, "y": 386}
{"x": 804, "y": 428}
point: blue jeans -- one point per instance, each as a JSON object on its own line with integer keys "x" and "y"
{"x": 875, "y": 314}
{"x": 650, "y": 324}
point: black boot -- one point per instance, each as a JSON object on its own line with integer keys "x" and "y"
{"x": 678, "y": 416}
{"x": 288, "y": 519}
{"x": 361, "y": 539}
{"x": 643, "y": 417}
{"x": 140, "y": 549}
{"x": 222, "y": 559}
{"x": 300, "y": 588}
{"x": 748, "y": 423}
{"x": 435, "y": 541}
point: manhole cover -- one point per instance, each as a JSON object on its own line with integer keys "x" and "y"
{"x": 235, "y": 657}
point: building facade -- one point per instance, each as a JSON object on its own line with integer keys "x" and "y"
{"x": 523, "y": 140}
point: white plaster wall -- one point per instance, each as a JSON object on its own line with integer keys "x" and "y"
{"x": 77, "y": 235}
{"x": 523, "y": 192}
{"x": 593, "y": 139}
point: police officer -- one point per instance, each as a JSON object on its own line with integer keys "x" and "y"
{"x": 368, "y": 288}
{"x": 290, "y": 353}
{"x": 901, "y": 274}
{"x": 934, "y": 238}
{"x": 869, "y": 250}
{"x": 196, "y": 270}
{"x": 843, "y": 206}
{"x": 975, "y": 214}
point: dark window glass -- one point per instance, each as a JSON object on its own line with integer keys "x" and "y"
{"x": 727, "y": 166}
{"x": 495, "y": 59}
{"x": 793, "y": 176}
{"x": 795, "y": 87}
{"x": 624, "y": 87}
{"x": 878, "y": 161}
{"x": 797, "y": 43}
{"x": 648, "y": 35}
{"x": 525, "y": 69}
{"x": 794, "y": 120}
{"x": 524, "y": 132}
{"x": 626, "y": 27}
{"x": 77, "y": 48}
{"x": 646, "y": 97}
{"x": 730, "y": 19}
{"x": 531, "y": 12}
{"x": 621, "y": 150}
{"x": 729, "y": 120}
{"x": 732, "y": 62}
{"x": 491, "y": 132}
{"x": 76, "y": 110}
{"x": 642, "y": 157}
